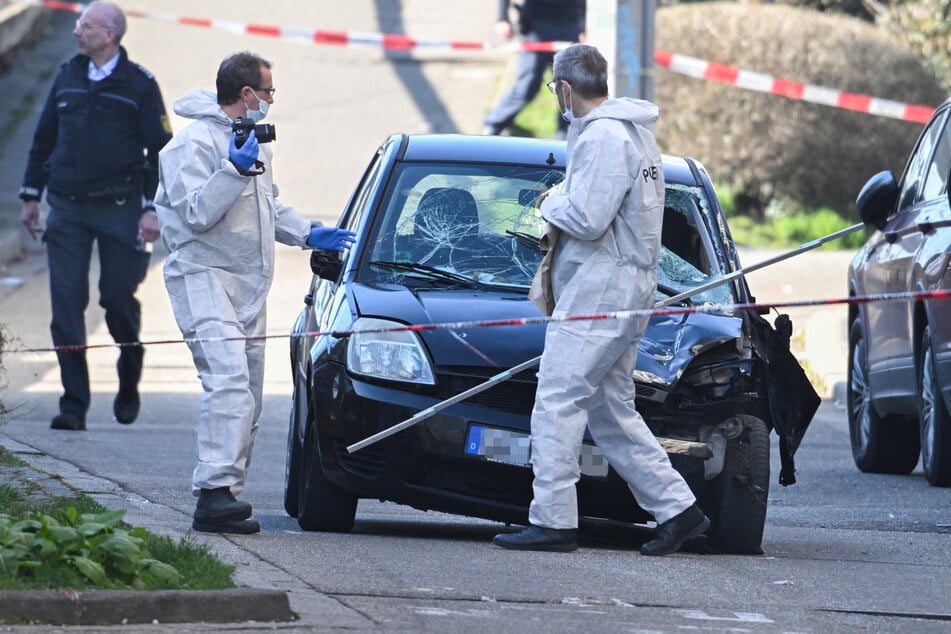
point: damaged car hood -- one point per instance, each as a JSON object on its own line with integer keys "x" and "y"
{"x": 672, "y": 341}
{"x": 669, "y": 343}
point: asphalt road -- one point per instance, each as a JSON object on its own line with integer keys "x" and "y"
{"x": 844, "y": 551}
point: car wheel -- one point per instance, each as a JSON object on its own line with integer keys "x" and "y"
{"x": 933, "y": 419}
{"x": 880, "y": 444}
{"x": 322, "y": 505}
{"x": 738, "y": 512}
{"x": 293, "y": 457}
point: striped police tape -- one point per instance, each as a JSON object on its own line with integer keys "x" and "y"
{"x": 522, "y": 321}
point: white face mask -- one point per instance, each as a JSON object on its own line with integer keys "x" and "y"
{"x": 567, "y": 114}
{"x": 260, "y": 113}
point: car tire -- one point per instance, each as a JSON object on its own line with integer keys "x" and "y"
{"x": 293, "y": 455}
{"x": 880, "y": 444}
{"x": 322, "y": 505}
{"x": 933, "y": 418}
{"x": 737, "y": 507}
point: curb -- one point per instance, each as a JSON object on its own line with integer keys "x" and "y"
{"x": 121, "y": 607}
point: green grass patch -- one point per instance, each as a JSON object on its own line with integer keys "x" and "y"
{"x": 77, "y": 543}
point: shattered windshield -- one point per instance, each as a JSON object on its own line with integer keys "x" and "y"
{"x": 476, "y": 222}
{"x": 464, "y": 225}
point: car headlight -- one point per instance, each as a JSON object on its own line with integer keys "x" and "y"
{"x": 396, "y": 356}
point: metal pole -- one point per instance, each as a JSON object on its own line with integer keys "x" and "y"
{"x": 502, "y": 376}
{"x": 623, "y": 30}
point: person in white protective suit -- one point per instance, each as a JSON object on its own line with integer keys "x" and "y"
{"x": 220, "y": 216}
{"x": 608, "y": 215}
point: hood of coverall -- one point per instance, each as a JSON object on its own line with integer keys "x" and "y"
{"x": 637, "y": 111}
{"x": 199, "y": 104}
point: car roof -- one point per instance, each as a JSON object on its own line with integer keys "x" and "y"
{"x": 472, "y": 148}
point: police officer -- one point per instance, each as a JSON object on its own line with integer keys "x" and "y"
{"x": 538, "y": 21}
{"x": 95, "y": 152}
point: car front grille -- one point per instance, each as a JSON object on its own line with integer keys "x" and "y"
{"x": 516, "y": 394}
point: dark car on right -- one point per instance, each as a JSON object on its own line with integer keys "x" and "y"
{"x": 899, "y": 383}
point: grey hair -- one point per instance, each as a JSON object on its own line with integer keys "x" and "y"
{"x": 585, "y": 70}
{"x": 112, "y": 16}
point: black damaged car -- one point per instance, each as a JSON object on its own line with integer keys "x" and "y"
{"x": 448, "y": 231}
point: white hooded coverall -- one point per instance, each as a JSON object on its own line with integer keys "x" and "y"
{"x": 610, "y": 213}
{"x": 220, "y": 228}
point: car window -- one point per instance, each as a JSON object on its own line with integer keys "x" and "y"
{"x": 358, "y": 209}
{"x": 914, "y": 176}
{"x": 686, "y": 260}
{"x": 936, "y": 181}
{"x": 477, "y": 221}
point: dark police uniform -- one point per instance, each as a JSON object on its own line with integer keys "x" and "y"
{"x": 539, "y": 21}
{"x": 95, "y": 151}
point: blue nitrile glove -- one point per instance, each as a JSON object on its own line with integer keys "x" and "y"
{"x": 330, "y": 238}
{"x": 244, "y": 157}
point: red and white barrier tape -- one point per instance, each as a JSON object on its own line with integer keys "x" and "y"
{"x": 750, "y": 80}
{"x": 682, "y": 64}
{"x": 523, "y": 321}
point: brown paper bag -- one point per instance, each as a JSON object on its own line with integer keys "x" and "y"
{"x": 540, "y": 293}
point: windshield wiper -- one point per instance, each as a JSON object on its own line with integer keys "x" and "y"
{"x": 429, "y": 272}
{"x": 527, "y": 239}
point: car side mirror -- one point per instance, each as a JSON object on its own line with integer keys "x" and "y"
{"x": 877, "y": 199}
{"x": 326, "y": 264}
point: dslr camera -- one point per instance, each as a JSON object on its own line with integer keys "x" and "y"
{"x": 264, "y": 132}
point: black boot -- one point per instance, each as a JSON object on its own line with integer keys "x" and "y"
{"x": 671, "y": 535}
{"x": 68, "y": 420}
{"x": 126, "y": 406}
{"x": 561, "y": 540}
{"x": 218, "y": 511}
{"x": 129, "y": 367}
{"x": 235, "y": 527}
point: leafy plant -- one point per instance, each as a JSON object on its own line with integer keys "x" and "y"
{"x": 93, "y": 545}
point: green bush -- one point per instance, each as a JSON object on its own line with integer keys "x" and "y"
{"x": 925, "y": 27}
{"x": 767, "y": 147}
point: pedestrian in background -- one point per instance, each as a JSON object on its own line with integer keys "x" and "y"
{"x": 220, "y": 217}
{"x": 95, "y": 152}
{"x": 608, "y": 215}
{"x": 538, "y": 21}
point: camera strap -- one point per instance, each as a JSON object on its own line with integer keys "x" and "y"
{"x": 258, "y": 164}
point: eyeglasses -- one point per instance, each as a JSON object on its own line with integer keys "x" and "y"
{"x": 85, "y": 26}
{"x": 270, "y": 91}
{"x": 551, "y": 86}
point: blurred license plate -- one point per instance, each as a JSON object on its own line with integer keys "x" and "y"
{"x": 515, "y": 448}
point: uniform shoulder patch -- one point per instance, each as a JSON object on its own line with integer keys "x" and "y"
{"x": 145, "y": 71}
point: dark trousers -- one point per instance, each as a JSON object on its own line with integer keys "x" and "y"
{"x": 529, "y": 76}
{"x": 71, "y": 230}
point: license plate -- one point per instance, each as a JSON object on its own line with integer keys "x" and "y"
{"x": 515, "y": 448}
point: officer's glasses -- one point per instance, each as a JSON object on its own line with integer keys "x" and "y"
{"x": 552, "y": 85}
{"x": 270, "y": 91}
{"x": 85, "y": 26}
